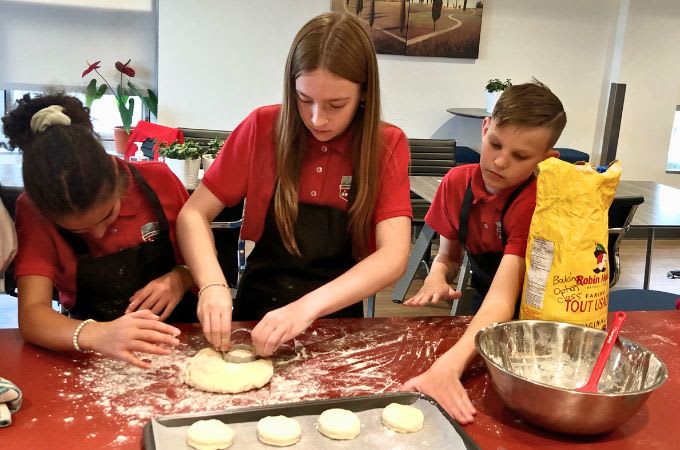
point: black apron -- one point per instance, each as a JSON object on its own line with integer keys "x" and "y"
{"x": 484, "y": 265}
{"x": 105, "y": 284}
{"x": 274, "y": 278}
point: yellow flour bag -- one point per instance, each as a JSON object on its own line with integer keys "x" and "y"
{"x": 567, "y": 277}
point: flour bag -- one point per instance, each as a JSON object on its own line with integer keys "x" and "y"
{"x": 567, "y": 277}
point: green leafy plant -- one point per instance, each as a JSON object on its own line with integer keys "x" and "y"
{"x": 125, "y": 103}
{"x": 187, "y": 150}
{"x": 213, "y": 147}
{"x": 496, "y": 85}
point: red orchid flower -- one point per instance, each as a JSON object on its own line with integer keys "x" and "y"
{"x": 124, "y": 69}
{"x": 90, "y": 68}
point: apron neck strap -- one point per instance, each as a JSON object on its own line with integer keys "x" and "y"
{"x": 467, "y": 204}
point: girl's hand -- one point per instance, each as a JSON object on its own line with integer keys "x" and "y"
{"x": 214, "y": 313}
{"x": 433, "y": 290}
{"x": 279, "y": 326}
{"x": 137, "y": 332}
{"x": 160, "y": 296}
{"x": 442, "y": 383}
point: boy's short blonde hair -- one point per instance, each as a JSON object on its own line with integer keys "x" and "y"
{"x": 531, "y": 105}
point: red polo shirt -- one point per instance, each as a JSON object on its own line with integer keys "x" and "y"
{"x": 246, "y": 167}
{"x": 43, "y": 251}
{"x": 444, "y": 213}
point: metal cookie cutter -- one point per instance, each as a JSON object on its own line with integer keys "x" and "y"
{"x": 240, "y": 353}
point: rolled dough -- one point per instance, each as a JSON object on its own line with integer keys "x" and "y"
{"x": 279, "y": 431}
{"x": 207, "y": 371}
{"x": 339, "y": 423}
{"x": 209, "y": 435}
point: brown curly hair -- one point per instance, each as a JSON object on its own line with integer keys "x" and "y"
{"x": 65, "y": 168}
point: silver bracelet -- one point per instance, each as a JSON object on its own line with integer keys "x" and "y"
{"x": 216, "y": 283}
{"x": 76, "y": 333}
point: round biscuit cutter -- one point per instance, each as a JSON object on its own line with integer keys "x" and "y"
{"x": 241, "y": 352}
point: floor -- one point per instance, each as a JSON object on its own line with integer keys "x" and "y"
{"x": 632, "y": 265}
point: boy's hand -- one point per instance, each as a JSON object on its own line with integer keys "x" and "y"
{"x": 442, "y": 384}
{"x": 433, "y": 290}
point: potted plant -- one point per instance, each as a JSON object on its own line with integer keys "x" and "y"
{"x": 210, "y": 152}
{"x": 184, "y": 159}
{"x": 124, "y": 100}
{"x": 494, "y": 89}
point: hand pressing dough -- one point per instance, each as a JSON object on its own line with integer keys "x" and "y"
{"x": 279, "y": 431}
{"x": 403, "y": 418}
{"x": 209, "y": 435}
{"x": 339, "y": 423}
{"x": 207, "y": 371}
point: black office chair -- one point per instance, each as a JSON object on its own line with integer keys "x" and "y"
{"x": 226, "y": 226}
{"x": 9, "y": 196}
{"x": 621, "y": 214}
{"x": 429, "y": 157}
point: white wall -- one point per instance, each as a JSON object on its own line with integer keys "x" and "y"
{"x": 651, "y": 70}
{"x": 46, "y": 42}
{"x": 229, "y": 54}
{"x": 232, "y": 54}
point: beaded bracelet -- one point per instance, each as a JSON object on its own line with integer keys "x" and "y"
{"x": 76, "y": 333}
{"x": 216, "y": 283}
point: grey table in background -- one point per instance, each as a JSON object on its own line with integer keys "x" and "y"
{"x": 661, "y": 208}
{"x": 473, "y": 113}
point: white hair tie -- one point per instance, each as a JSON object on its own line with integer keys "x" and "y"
{"x": 46, "y": 117}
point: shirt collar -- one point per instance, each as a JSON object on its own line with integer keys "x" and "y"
{"x": 479, "y": 189}
{"x": 341, "y": 143}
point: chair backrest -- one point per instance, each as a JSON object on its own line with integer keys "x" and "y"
{"x": 202, "y": 136}
{"x": 621, "y": 214}
{"x": 642, "y": 300}
{"x": 429, "y": 157}
{"x": 432, "y": 157}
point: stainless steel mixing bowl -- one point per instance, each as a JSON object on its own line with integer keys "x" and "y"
{"x": 536, "y": 365}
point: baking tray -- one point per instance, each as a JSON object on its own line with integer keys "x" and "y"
{"x": 440, "y": 429}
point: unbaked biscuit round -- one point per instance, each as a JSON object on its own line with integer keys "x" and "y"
{"x": 403, "y": 418}
{"x": 209, "y": 435}
{"x": 279, "y": 431}
{"x": 337, "y": 423}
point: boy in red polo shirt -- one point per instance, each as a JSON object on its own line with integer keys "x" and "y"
{"x": 486, "y": 208}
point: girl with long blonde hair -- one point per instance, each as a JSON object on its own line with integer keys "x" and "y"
{"x": 326, "y": 189}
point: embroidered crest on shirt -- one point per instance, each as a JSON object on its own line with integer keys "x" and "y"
{"x": 345, "y": 185}
{"x": 150, "y": 231}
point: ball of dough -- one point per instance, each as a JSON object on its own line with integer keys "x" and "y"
{"x": 339, "y": 423}
{"x": 403, "y": 418}
{"x": 210, "y": 435}
{"x": 278, "y": 431}
{"x": 207, "y": 371}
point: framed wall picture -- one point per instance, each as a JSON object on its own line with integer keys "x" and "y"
{"x": 441, "y": 28}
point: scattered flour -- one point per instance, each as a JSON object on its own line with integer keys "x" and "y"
{"x": 333, "y": 360}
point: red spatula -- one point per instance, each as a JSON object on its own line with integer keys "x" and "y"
{"x": 612, "y": 334}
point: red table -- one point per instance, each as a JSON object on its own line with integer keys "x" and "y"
{"x": 85, "y": 401}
